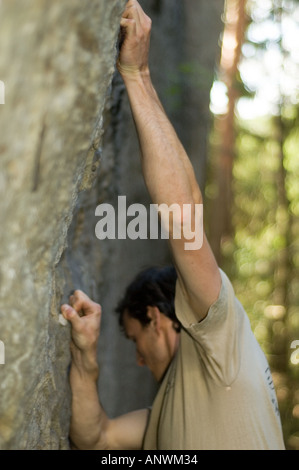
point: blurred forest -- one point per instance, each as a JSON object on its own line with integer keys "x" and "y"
{"x": 252, "y": 190}
{"x": 58, "y": 62}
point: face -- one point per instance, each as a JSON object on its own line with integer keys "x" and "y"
{"x": 155, "y": 343}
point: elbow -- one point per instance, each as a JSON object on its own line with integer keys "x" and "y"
{"x": 184, "y": 222}
{"x": 95, "y": 436}
{"x": 89, "y": 444}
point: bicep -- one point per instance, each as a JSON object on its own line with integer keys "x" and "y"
{"x": 198, "y": 275}
{"x": 126, "y": 432}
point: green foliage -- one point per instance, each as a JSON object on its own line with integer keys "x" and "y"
{"x": 262, "y": 256}
{"x": 188, "y": 74}
{"x": 252, "y": 257}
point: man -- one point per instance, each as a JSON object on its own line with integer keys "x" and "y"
{"x": 215, "y": 389}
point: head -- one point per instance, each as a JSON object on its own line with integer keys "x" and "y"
{"x": 147, "y": 316}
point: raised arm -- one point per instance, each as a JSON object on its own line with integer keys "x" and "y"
{"x": 90, "y": 426}
{"x": 167, "y": 170}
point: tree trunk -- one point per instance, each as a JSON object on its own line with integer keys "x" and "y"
{"x": 221, "y": 224}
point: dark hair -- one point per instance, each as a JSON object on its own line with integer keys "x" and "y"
{"x": 155, "y": 287}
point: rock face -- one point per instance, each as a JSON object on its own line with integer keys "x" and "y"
{"x": 67, "y": 144}
{"x": 57, "y": 61}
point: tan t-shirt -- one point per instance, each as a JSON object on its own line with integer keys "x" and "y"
{"x": 218, "y": 391}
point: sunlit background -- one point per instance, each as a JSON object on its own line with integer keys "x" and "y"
{"x": 253, "y": 185}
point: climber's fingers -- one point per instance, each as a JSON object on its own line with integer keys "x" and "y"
{"x": 70, "y": 314}
{"x": 134, "y": 19}
{"x": 83, "y": 304}
{"x": 134, "y": 40}
{"x": 85, "y": 318}
{"x": 128, "y": 28}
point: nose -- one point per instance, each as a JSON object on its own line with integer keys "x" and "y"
{"x": 139, "y": 359}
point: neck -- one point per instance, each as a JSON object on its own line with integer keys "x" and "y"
{"x": 173, "y": 346}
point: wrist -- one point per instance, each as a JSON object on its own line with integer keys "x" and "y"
{"x": 85, "y": 362}
{"x": 87, "y": 372}
{"x": 139, "y": 86}
{"x": 132, "y": 73}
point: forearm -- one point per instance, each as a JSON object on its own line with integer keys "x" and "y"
{"x": 88, "y": 419}
{"x": 164, "y": 159}
{"x": 90, "y": 427}
{"x": 167, "y": 170}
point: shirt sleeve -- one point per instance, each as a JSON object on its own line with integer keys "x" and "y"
{"x": 219, "y": 335}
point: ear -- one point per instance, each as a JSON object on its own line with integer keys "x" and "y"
{"x": 154, "y": 314}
